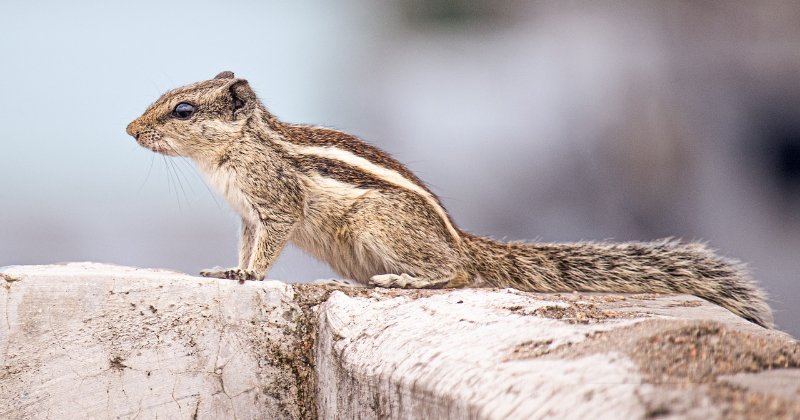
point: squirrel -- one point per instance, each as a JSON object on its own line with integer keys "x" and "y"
{"x": 358, "y": 209}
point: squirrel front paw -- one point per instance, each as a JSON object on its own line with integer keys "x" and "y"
{"x": 240, "y": 274}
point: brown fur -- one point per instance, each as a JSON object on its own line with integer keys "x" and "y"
{"x": 373, "y": 221}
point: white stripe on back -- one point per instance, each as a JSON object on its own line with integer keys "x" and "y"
{"x": 391, "y": 176}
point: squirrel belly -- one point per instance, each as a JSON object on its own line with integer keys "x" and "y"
{"x": 373, "y": 221}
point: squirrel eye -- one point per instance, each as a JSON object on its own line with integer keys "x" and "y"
{"x": 183, "y": 111}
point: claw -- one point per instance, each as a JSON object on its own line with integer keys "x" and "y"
{"x": 400, "y": 281}
{"x": 240, "y": 274}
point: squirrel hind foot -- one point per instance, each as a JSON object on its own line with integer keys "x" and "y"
{"x": 405, "y": 281}
{"x": 337, "y": 282}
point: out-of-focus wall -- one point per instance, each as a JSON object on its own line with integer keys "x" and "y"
{"x": 555, "y": 121}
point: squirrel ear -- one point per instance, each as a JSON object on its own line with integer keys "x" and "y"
{"x": 225, "y": 75}
{"x": 241, "y": 94}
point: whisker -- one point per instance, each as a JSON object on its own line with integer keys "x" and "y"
{"x": 203, "y": 182}
{"x": 179, "y": 173}
{"x": 146, "y": 177}
{"x": 170, "y": 181}
{"x": 183, "y": 174}
{"x": 178, "y": 180}
{"x": 193, "y": 170}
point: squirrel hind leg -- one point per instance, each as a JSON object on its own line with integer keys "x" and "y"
{"x": 405, "y": 246}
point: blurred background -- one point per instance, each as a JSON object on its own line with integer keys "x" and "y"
{"x": 550, "y": 121}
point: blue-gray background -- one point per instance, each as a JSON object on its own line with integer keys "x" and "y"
{"x": 554, "y": 121}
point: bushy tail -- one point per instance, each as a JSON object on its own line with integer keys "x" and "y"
{"x": 631, "y": 267}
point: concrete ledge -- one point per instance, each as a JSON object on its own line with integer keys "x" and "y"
{"x": 507, "y": 354}
{"x": 90, "y": 340}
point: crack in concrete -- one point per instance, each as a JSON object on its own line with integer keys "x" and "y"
{"x": 196, "y": 410}
{"x": 172, "y": 394}
{"x": 223, "y": 326}
{"x": 8, "y": 326}
{"x": 221, "y": 380}
{"x": 160, "y": 404}
{"x": 61, "y": 345}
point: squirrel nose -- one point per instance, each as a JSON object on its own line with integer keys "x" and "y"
{"x": 133, "y": 129}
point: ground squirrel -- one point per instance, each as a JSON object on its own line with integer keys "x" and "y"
{"x": 373, "y": 221}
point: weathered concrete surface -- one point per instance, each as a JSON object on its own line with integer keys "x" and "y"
{"x": 98, "y": 341}
{"x": 507, "y": 354}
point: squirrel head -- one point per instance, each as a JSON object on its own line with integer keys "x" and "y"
{"x": 197, "y": 120}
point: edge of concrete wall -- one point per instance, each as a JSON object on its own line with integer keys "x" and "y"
{"x": 91, "y": 340}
